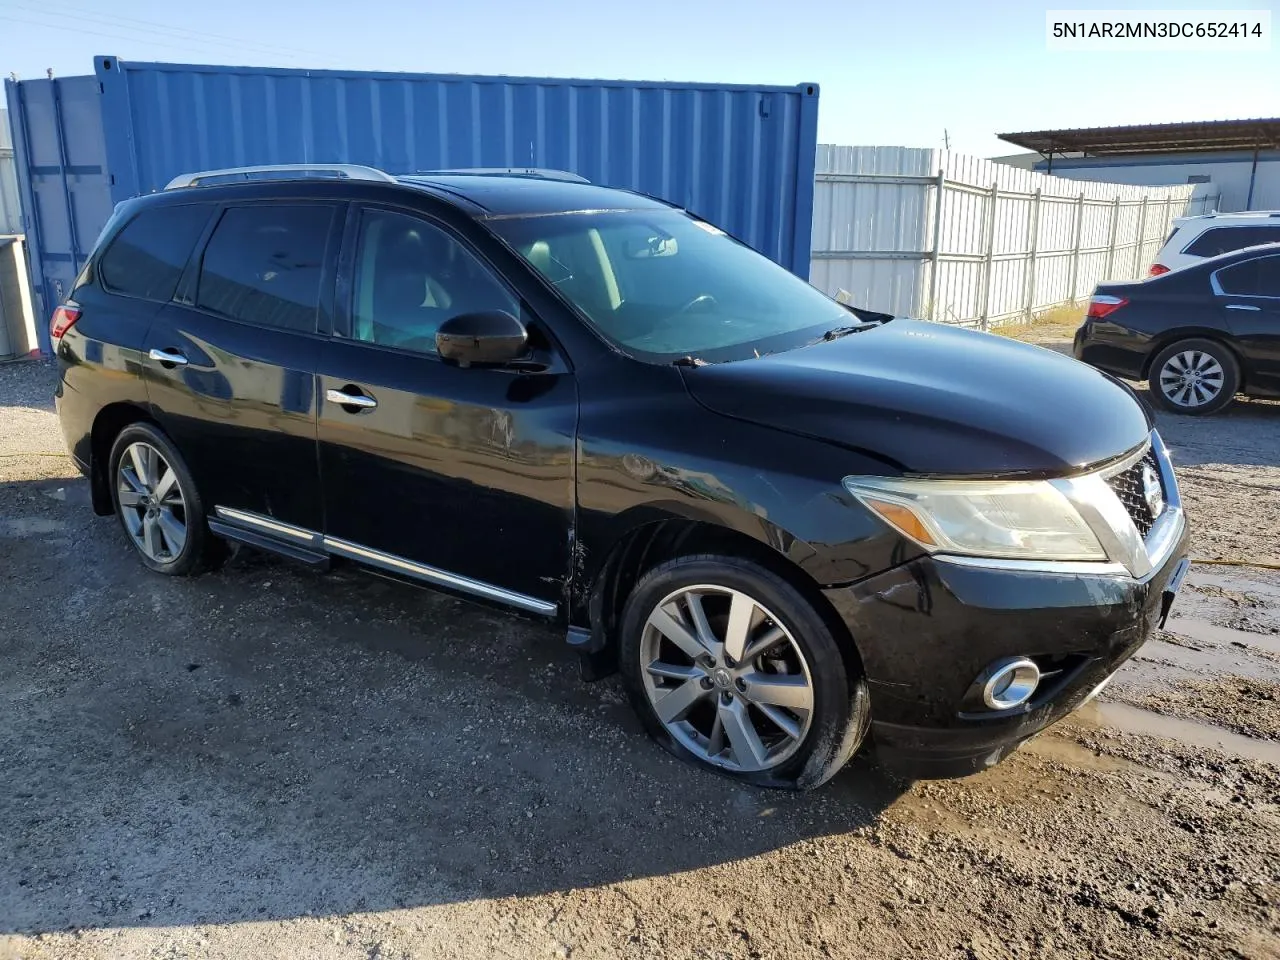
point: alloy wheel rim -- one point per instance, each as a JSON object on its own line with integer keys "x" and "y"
{"x": 152, "y": 503}
{"x": 726, "y": 679}
{"x": 1191, "y": 378}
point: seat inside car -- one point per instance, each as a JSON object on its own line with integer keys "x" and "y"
{"x": 405, "y": 298}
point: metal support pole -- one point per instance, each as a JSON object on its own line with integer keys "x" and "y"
{"x": 1111, "y": 244}
{"x": 989, "y": 263}
{"x": 935, "y": 255}
{"x": 1253, "y": 176}
{"x": 1075, "y": 252}
{"x": 1033, "y": 242}
{"x": 1140, "y": 246}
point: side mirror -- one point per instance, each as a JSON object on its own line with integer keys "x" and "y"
{"x": 489, "y": 336}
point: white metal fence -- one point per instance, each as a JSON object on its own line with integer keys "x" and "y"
{"x": 953, "y": 238}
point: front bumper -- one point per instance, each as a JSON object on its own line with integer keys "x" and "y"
{"x": 927, "y": 629}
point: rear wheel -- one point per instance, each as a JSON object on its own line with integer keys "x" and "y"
{"x": 158, "y": 506}
{"x": 1195, "y": 377}
{"x": 732, "y": 668}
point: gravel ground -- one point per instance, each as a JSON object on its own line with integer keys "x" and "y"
{"x": 267, "y": 762}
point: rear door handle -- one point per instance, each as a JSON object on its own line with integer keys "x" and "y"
{"x": 170, "y": 356}
{"x": 348, "y": 398}
{"x": 1243, "y": 306}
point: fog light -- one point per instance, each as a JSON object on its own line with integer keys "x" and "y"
{"x": 1010, "y": 683}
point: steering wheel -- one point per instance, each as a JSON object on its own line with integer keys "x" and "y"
{"x": 701, "y": 301}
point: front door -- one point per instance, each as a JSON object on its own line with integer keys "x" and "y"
{"x": 1249, "y": 295}
{"x": 459, "y": 477}
{"x": 231, "y": 365}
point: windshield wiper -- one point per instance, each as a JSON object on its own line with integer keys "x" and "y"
{"x": 688, "y": 362}
{"x": 835, "y": 333}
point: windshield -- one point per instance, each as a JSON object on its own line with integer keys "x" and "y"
{"x": 663, "y": 285}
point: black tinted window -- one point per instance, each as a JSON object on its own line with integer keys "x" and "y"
{"x": 1253, "y": 278}
{"x": 1225, "y": 239}
{"x": 411, "y": 277}
{"x": 147, "y": 256}
{"x": 263, "y": 264}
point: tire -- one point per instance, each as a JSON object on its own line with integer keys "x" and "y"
{"x": 1215, "y": 368}
{"x": 794, "y": 748}
{"x": 156, "y": 505}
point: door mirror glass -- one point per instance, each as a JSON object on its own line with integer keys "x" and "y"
{"x": 487, "y": 336}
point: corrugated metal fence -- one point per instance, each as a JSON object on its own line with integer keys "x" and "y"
{"x": 10, "y": 209}
{"x": 957, "y": 239}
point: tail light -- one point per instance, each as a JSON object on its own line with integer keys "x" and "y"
{"x": 1103, "y": 306}
{"x": 1157, "y": 269}
{"x": 64, "y": 318}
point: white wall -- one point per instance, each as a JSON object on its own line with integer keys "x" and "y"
{"x": 10, "y": 212}
{"x": 1229, "y": 174}
{"x": 1009, "y": 241}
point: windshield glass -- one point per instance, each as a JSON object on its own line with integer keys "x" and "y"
{"x": 663, "y": 285}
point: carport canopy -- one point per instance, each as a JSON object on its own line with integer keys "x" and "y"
{"x": 1203, "y": 136}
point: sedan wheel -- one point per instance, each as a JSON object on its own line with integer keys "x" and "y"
{"x": 1191, "y": 379}
{"x": 726, "y": 678}
{"x": 152, "y": 503}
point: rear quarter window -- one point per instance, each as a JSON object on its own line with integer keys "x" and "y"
{"x": 146, "y": 258}
{"x": 1218, "y": 240}
{"x": 1259, "y": 277}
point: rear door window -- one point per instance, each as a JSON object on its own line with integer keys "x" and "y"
{"x": 263, "y": 264}
{"x": 1220, "y": 240}
{"x": 1253, "y": 278}
{"x": 146, "y": 258}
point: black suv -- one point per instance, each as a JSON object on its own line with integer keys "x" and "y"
{"x": 790, "y": 524}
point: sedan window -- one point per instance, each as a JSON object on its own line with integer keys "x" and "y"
{"x": 1259, "y": 277}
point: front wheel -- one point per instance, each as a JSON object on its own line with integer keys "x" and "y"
{"x": 732, "y": 668}
{"x": 1195, "y": 377}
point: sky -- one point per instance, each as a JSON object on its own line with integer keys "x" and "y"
{"x": 893, "y": 72}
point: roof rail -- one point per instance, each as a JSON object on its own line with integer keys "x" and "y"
{"x": 542, "y": 173}
{"x": 348, "y": 171}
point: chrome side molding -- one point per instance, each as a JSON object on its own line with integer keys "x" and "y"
{"x": 269, "y": 524}
{"x": 386, "y": 561}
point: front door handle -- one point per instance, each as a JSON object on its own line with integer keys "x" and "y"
{"x": 170, "y": 356}
{"x": 1243, "y": 306}
{"x": 350, "y": 399}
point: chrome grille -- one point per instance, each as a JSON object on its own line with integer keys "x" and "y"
{"x": 1128, "y": 487}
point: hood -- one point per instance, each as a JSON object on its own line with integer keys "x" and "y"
{"x": 933, "y": 399}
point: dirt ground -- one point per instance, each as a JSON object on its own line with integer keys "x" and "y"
{"x": 267, "y": 762}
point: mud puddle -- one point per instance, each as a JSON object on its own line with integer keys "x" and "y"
{"x": 1135, "y": 720}
{"x": 1248, "y": 581}
{"x": 1205, "y": 633}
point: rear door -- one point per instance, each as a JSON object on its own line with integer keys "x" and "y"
{"x": 463, "y": 478}
{"x": 1249, "y": 296}
{"x": 231, "y": 362}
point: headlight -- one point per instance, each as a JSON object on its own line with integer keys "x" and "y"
{"x": 1017, "y": 519}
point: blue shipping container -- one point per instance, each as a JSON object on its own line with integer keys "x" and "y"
{"x": 740, "y": 156}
